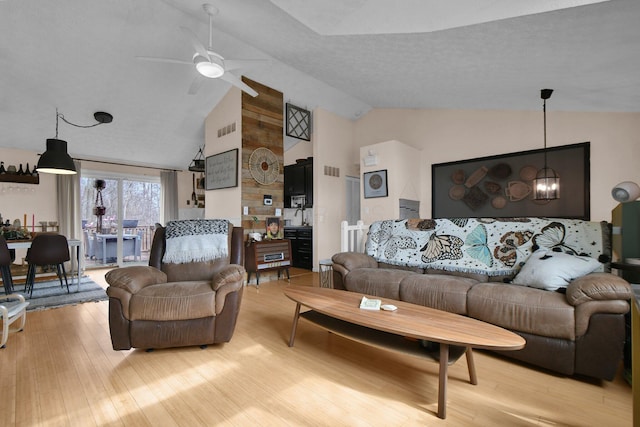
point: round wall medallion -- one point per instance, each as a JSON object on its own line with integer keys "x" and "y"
{"x": 264, "y": 166}
{"x": 375, "y": 181}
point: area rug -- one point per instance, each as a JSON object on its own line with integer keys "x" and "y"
{"x": 50, "y": 295}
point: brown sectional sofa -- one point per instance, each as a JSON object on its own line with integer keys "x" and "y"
{"x": 578, "y": 331}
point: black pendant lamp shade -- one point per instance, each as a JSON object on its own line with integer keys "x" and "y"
{"x": 56, "y": 159}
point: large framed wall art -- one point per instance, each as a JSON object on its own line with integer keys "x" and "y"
{"x": 501, "y": 186}
{"x": 221, "y": 170}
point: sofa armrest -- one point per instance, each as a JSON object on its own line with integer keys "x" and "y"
{"x": 229, "y": 279}
{"x": 344, "y": 262}
{"x": 598, "y": 287}
{"x": 352, "y": 260}
{"x": 133, "y": 279}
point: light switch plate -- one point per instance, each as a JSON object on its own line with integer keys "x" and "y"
{"x": 278, "y": 212}
{"x": 245, "y": 210}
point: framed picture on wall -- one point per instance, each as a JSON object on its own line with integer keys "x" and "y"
{"x": 501, "y": 186}
{"x": 221, "y": 170}
{"x": 375, "y": 184}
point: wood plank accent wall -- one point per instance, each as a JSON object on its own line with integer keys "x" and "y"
{"x": 262, "y": 126}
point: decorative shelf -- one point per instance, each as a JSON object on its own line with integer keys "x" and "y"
{"x": 21, "y": 179}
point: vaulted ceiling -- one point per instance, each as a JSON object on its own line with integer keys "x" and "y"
{"x": 346, "y": 56}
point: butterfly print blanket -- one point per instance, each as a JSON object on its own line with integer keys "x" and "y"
{"x": 493, "y": 246}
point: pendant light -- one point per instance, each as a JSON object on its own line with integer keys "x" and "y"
{"x": 56, "y": 159}
{"x": 546, "y": 186}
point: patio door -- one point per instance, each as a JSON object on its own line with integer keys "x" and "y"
{"x": 129, "y": 208}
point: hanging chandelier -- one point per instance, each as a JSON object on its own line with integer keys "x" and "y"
{"x": 547, "y": 183}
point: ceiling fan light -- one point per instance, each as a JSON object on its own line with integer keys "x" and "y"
{"x": 209, "y": 68}
{"x": 55, "y": 159}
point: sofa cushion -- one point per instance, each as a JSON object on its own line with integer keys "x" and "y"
{"x": 378, "y": 282}
{"x": 479, "y": 277}
{"x": 550, "y": 270}
{"x": 439, "y": 291}
{"x": 173, "y": 301}
{"x": 522, "y": 309}
{"x": 401, "y": 267}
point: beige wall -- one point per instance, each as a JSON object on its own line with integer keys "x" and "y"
{"x": 16, "y": 200}
{"x": 226, "y": 202}
{"x": 332, "y": 137}
{"x": 448, "y": 135}
{"x": 301, "y": 150}
{"x": 401, "y": 161}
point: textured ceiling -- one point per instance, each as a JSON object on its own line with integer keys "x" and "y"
{"x": 79, "y": 56}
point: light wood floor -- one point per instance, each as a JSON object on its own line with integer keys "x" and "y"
{"x": 61, "y": 370}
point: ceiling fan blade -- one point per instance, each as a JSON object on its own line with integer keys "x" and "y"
{"x": 199, "y": 47}
{"x": 234, "y": 64}
{"x": 170, "y": 60}
{"x": 195, "y": 85}
{"x": 234, "y": 80}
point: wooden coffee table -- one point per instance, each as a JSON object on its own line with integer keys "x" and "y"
{"x": 338, "y": 311}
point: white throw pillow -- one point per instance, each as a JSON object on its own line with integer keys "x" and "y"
{"x": 550, "y": 270}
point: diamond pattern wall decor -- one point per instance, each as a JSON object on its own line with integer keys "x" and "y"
{"x": 298, "y": 122}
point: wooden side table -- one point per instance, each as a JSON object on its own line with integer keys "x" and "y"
{"x": 267, "y": 255}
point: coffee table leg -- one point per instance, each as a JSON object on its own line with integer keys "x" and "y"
{"x": 296, "y": 315}
{"x": 442, "y": 381}
{"x": 473, "y": 379}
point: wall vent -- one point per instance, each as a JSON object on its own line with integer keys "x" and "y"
{"x": 332, "y": 171}
{"x": 225, "y": 130}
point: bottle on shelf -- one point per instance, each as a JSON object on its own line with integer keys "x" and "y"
{"x": 27, "y": 171}
{"x": 20, "y": 171}
{"x": 2, "y": 169}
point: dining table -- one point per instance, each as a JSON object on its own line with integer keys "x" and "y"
{"x": 106, "y": 245}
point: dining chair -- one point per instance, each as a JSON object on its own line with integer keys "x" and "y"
{"x": 46, "y": 250}
{"x": 5, "y": 266}
{"x": 14, "y": 309}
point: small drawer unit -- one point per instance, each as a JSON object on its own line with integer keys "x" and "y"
{"x": 267, "y": 255}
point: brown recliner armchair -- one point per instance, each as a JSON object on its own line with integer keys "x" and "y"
{"x": 173, "y": 305}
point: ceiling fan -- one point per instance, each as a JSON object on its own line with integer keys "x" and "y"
{"x": 210, "y": 64}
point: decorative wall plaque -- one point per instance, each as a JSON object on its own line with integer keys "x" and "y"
{"x": 298, "y": 122}
{"x": 222, "y": 170}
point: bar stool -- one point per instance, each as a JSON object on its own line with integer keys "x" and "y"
{"x": 47, "y": 249}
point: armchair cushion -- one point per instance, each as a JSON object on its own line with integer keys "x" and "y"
{"x": 173, "y": 301}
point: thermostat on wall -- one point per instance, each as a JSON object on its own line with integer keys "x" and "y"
{"x": 268, "y": 201}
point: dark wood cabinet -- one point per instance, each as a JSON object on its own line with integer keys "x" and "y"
{"x": 267, "y": 255}
{"x": 298, "y": 181}
{"x": 301, "y": 246}
{"x": 294, "y": 180}
{"x": 308, "y": 183}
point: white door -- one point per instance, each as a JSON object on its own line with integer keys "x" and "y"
{"x": 353, "y": 199}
